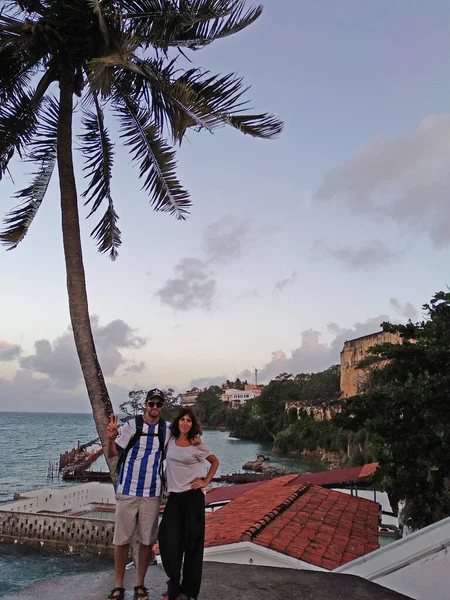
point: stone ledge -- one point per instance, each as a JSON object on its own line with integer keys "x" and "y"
{"x": 220, "y": 582}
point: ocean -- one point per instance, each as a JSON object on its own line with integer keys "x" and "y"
{"x": 32, "y": 442}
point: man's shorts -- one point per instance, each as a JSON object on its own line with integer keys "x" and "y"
{"x": 136, "y": 513}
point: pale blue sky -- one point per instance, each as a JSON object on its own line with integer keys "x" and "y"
{"x": 324, "y": 225}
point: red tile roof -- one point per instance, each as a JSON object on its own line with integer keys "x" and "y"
{"x": 229, "y": 492}
{"x": 310, "y": 523}
{"x": 328, "y": 478}
{"x": 338, "y": 476}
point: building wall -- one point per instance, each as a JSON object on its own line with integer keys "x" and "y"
{"x": 74, "y": 534}
{"x": 418, "y": 565}
{"x": 62, "y": 499}
{"x": 353, "y": 352}
{"x": 190, "y": 398}
{"x": 247, "y": 553}
{"x": 427, "y": 578}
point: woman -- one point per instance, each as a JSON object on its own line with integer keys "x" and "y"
{"x": 182, "y": 530}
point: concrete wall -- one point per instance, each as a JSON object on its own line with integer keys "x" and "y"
{"x": 62, "y": 499}
{"x": 62, "y": 533}
{"x": 353, "y": 352}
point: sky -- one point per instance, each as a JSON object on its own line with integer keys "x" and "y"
{"x": 293, "y": 245}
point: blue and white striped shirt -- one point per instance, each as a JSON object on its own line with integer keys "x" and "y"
{"x": 140, "y": 474}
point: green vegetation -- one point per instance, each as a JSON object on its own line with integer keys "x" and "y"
{"x": 135, "y": 405}
{"x": 405, "y": 410}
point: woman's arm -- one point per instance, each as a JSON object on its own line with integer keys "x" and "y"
{"x": 205, "y": 481}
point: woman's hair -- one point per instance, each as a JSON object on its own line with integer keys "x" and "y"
{"x": 196, "y": 428}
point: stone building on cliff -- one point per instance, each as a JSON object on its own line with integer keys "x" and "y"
{"x": 353, "y": 377}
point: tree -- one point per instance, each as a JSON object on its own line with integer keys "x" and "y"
{"x": 271, "y": 404}
{"x": 135, "y": 405}
{"x": 235, "y": 385}
{"x": 172, "y": 404}
{"x": 406, "y": 413}
{"x": 113, "y": 53}
{"x": 208, "y": 402}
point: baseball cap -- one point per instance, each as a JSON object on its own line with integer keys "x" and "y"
{"x": 155, "y": 393}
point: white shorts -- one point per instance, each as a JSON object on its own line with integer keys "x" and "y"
{"x": 136, "y": 513}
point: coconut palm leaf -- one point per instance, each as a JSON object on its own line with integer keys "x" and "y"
{"x": 169, "y": 100}
{"x": 107, "y": 234}
{"x": 156, "y": 158}
{"x": 19, "y": 118}
{"x": 191, "y": 24}
{"x": 219, "y": 101}
{"x": 18, "y": 121}
{"x": 98, "y": 12}
{"x": 16, "y": 69}
{"x": 194, "y": 99}
{"x": 43, "y": 151}
{"x": 98, "y": 151}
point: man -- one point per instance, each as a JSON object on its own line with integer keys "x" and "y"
{"x": 138, "y": 492}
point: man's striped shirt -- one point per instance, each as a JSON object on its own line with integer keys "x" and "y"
{"x": 140, "y": 473}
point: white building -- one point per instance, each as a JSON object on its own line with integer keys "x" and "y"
{"x": 190, "y": 398}
{"x": 237, "y": 398}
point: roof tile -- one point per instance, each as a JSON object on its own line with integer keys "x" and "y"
{"x": 314, "y": 524}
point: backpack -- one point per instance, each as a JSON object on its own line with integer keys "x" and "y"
{"x": 134, "y": 438}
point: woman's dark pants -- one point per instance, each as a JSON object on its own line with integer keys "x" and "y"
{"x": 182, "y": 536}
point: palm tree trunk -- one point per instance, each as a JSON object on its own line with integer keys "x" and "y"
{"x": 76, "y": 283}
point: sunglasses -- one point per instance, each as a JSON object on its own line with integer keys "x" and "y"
{"x": 157, "y": 404}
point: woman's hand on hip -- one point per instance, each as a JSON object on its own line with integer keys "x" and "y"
{"x": 198, "y": 484}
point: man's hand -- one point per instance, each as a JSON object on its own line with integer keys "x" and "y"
{"x": 196, "y": 441}
{"x": 198, "y": 484}
{"x": 112, "y": 431}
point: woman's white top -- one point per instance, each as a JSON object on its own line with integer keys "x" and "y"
{"x": 184, "y": 464}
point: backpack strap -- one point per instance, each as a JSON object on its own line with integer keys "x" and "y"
{"x": 162, "y": 446}
{"x": 134, "y": 438}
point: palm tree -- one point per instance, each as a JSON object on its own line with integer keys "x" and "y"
{"x": 112, "y": 54}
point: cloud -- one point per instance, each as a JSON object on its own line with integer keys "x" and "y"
{"x": 9, "y": 352}
{"x": 205, "y": 382}
{"x": 27, "y": 392}
{"x": 193, "y": 287}
{"x": 58, "y": 360}
{"x": 405, "y": 179}
{"x": 371, "y": 255}
{"x": 194, "y": 283}
{"x": 225, "y": 239}
{"x": 404, "y": 310}
{"x": 283, "y": 283}
{"x": 313, "y": 355}
{"x": 136, "y": 367}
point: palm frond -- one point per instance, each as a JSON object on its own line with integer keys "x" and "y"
{"x": 264, "y": 126}
{"x": 107, "y": 234}
{"x": 16, "y": 69}
{"x": 193, "y": 24}
{"x": 218, "y": 100}
{"x": 43, "y": 151}
{"x": 169, "y": 100}
{"x": 102, "y": 24}
{"x": 98, "y": 151}
{"x": 156, "y": 158}
{"x": 19, "y": 120}
{"x": 194, "y": 99}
